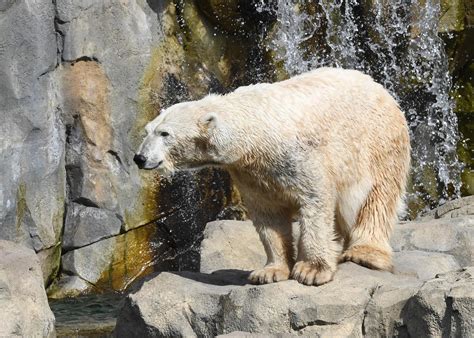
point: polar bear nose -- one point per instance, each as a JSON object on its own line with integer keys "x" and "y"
{"x": 140, "y": 160}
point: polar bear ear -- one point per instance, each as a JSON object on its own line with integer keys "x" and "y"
{"x": 209, "y": 121}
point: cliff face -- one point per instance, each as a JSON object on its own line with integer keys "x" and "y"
{"x": 79, "y": 80}
{"x": 33, "y": 173}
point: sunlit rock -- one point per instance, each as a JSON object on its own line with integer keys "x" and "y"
{"x": 452, "y": 17}
{"x": 221, "y": 247}
{"x": 444, "y": 306}
{"x": 429, "y": 294}
{"x": 447, "y": 236}
{"x": 32, "y": 174}
{"x": 24, "y": 309}
{"x": 111, "y": 264}
{"x": 86, "y": 225}
{"x": 424, "y": 265}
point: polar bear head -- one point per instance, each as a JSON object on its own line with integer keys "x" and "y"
{"x": 188, "y": 135}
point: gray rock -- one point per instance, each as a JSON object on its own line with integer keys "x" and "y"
{"x": 31, "y": 134}
{"x": 424, "y": 265}
{"x": 102, "y": 173}
{"x": 235, "y": 245}
{"x": 383, "y": 314}
{"x": 451, "y": 236}
{"x": 86, "y": 225}
{"x": 359, "y": 302}
{"x": 69, "y": 286}
{"x": 89, "y": 262}
{"x": 190, "y": 304}
{"x": 231, "y": 245}
{"x": 38, "y": 41}
{"x": 443, "y": 307}
{"x": 49, "y": 260}
{"x": 113, "y": 263}
{"x": 456, "y": 208}
{"x": 78, "y": 81}
{"x": 24, "y": 309}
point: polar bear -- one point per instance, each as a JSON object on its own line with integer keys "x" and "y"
{"x": 329, "y": 148}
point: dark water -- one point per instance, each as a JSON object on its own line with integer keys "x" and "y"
{"x": 86, "y": 316}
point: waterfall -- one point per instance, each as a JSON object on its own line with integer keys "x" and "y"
{"x": 397, "y": 43}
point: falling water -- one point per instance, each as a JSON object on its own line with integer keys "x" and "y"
{"x": 397, "y": 43}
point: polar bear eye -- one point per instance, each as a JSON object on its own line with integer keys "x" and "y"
{"x": 164, "y": 133}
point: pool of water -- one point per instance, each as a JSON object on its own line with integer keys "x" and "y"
{"x": 86, "y": 316}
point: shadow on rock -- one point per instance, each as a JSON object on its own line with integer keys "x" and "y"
{"x": 220, "y": 277}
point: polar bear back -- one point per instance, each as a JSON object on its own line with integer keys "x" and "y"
{"x": 343, "y": 107}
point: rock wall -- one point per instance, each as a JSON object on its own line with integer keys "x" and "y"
{"x": 79, "y": 80}
{"x": 457, "y": 30}
{"x": 33, "y": 189}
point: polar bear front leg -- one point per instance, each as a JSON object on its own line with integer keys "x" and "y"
{"x": 318, "y": 250}
{"x": 275, "y": 233}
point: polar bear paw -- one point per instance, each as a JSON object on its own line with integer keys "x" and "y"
{"x": 311, "y": 274}
{"x": 269, "y": 274}
{"x": 368, "y": 256}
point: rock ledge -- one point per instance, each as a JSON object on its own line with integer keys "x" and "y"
{"x": 430, "y": 294}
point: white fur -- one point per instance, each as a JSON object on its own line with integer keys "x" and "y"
{"x": 329, "y": 148}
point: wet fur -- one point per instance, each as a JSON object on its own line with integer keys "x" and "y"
{"x": 329, "y": 148}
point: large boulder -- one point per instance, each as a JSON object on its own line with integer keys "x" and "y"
{"x": 111, "y": 263}
{"x": 452, "y": 209}
{"x": 422, "y": 249}
{"x": 24, "y": 309}
{"x": 189, "y": 304}
{"x": 443, "y": 307}
{"x": 452, "y": 236}
{"x": 222, "y": 247}
{"x": 418, "y": 299}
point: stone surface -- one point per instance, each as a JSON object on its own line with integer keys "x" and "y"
{"x": 86, "y": 225}
{"x": 111, "y": 85}
{"x": 419, "y": 299}
{"x": 49, "y": 261}
{"x": 113, "y": 263}
{"x": 422, "y": 249}
{"x": 24, "y": 309}
{"x": 452, "y": 18}
{"x": 76, "y": 82}
{"x": 424, "y": 265}
{"x": 222, "y": 247}
{"x": 451, "y": 236}
{"x": 32, "y": 137}
{"x": 358, "y": 302}
{"x": 443, "y": 307}
{"x": 452, "y": 209}
{"x": 188, "y": 304}
{"x": 69, "y": 286}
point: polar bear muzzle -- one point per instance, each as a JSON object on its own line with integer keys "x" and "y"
{"x": 141, "y": 161}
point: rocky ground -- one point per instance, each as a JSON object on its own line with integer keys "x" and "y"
{"x": 430, "y": 293}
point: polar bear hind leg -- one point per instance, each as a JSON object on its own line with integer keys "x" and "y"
{"x": 368, "y": 241}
